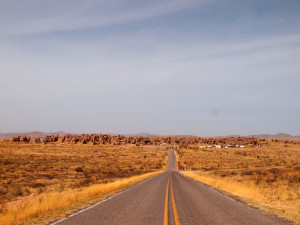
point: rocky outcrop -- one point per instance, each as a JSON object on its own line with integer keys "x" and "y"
{"x": 37, "y": 140}
{"x": 16, "y": 139}
{"x": 105, "y": 139}
{"x": 26, "y": 139}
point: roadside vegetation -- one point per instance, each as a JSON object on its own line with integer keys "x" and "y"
{"x": 40, "y": 182}
{"x": 267, "y": 177}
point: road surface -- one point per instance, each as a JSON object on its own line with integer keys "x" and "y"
{"x": 171, "y": 198}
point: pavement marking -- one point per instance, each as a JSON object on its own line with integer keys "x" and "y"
{"x": 166, "y": 204}
{"x": 177, "y": 222}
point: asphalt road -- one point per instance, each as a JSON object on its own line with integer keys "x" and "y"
{"x": 171, "y": 198}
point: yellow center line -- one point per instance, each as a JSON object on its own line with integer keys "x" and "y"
{"x": 166, "y": 204}
{"x": 174, "y": 205}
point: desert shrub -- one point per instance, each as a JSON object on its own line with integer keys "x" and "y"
{"x": 27, "y": 191}
{"x": 50, "y": 177}
{"x": 61, "y": 187}
{"x": 2, "y": 206}
{"x": 294, "y": 178}
{"x": 38, "y": 185}
{"x": 41, "y": 189}
{"x": 146, "y": 141}
{"x": 79, "y": 169}
{"x": 238, "y": 152}
{"x": 297, "y": 168}
{"x": 247, "y": 173}
{"x": 16, "y": 191}
{"x": 275, "y": 171}
{"x": 3, "y": 191}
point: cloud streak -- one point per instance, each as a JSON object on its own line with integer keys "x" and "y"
{"x": 49, "y": 16}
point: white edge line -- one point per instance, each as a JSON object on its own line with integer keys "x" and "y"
{"x": 104, "y": 200}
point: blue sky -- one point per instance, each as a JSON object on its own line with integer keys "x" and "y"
{"x": 203, "y": 67}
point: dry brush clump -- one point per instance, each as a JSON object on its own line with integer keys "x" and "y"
{"x": 268, "y": 175}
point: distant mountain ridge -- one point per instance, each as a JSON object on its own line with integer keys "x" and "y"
{"x": 274, "y": 136}
{"x": 36, "y": 134}
{"x": 267, "y": 136}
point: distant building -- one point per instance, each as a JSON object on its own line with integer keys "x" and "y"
{"x": 231, "y": 146}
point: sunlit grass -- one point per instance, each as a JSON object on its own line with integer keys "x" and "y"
{"x": 55, "y": 200}
{"x": 267, "y": 177}
{"x": 282, "y": 200}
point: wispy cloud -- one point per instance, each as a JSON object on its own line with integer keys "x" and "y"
{"x": 33, "y": 16}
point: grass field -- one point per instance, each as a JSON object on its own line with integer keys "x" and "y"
{"x": 34, "y": 176}
{"x": 267, "y": 176}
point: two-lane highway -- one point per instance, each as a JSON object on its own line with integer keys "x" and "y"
{"x": 171, "y": 198}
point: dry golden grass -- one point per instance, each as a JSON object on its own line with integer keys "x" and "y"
{"x": 34, "y": 176}
{"x": 267, "y": 177}
{"x": 55, "y": 200}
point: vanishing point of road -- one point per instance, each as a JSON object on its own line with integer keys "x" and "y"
{"x": 171, "y": 198}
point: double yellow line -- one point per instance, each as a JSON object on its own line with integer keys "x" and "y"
{"x": 166, "y": 219}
